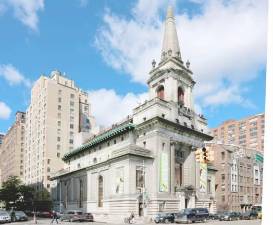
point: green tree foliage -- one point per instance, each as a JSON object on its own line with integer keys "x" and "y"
{"x": 14, "y": 194}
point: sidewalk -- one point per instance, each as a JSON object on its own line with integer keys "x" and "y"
{"x": 120, "y": 220}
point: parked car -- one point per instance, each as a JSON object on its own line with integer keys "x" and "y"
{"x": 73, "y": 215}
{"x": 4, "y": 217}
{"x": 19, "y": 216}
{"x": 228, "y": 216}
{"x": 44, "y": 214}
{"x": 249, "y": 215}
{"x": 192, "y": 215}
{"x": 88, "y": 217}
{"x": 164, "y": 217}
{"x": 214, "y": 216}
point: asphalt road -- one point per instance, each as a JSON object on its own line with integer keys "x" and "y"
{"x": 47, "y": 221}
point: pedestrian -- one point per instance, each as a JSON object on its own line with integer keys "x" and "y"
{"x": 54, "y": 217}
{"x": 132, "y": 217}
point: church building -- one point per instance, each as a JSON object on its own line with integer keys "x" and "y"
{"x": 145, "y": 164}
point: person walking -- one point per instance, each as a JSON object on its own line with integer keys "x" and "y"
{"x": 54, "y": 216}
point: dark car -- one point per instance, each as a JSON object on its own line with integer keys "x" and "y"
{"x": 214, "y": 216}
{"x": 164, "y": 217}
{"x": 192, "y": 215}
{"x": 249, "y": 215}
{"x": 228, "y": 216}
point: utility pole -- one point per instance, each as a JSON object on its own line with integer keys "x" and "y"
{"x": 60, "y": 196}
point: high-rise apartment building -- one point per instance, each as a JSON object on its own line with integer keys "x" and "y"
{"x": 12, "y": 149}
{"x": 238, "y": 178}
{"x": 58, "y": 111}
{"x": 247, "y": 132}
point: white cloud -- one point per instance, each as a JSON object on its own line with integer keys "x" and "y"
{"x": 4, "y": 111}
{"x": 226, "y": 43}
{"x": 13, "y": 76}
{"x": 26, "y": 11}
{"x": 108, "y": 107}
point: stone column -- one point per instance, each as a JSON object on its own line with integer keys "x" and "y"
{"x": 172, "y": 167}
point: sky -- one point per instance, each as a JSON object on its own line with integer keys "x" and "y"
{"x": 107, "y": 47}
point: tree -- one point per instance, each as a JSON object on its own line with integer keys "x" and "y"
{"x": 14, "y": 194}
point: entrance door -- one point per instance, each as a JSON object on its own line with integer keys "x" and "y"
{"x": 186, "y": 203}
{"x": 140, "y": 209}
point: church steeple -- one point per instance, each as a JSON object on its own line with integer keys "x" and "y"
{"x": 170, "y": 47}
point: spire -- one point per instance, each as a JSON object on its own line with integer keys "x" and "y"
{"x": 170, "y": 47}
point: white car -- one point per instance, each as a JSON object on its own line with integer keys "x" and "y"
{"x": 4, "y": 217}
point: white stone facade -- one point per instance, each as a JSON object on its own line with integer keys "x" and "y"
{"x": 105, "y": 175}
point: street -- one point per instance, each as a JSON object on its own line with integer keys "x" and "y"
{"x": 47, "y": 221}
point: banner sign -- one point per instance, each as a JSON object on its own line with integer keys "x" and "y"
{"x": 203, "y": 177}
{"x": 164, "y": 172}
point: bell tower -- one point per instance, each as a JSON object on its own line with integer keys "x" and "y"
{"x": 171, "y": 80}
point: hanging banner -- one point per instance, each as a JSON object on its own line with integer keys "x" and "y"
{"x": 120, "y": 180}
{"x": 164, "y": 172}
{"x": 203, "y": 177}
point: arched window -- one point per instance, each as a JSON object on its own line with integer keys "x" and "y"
{"x": 100, "y": 191}
{"x": 160, "y": 92}
{"x": 180, "y": 96}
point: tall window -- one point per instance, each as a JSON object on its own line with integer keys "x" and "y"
{"x": 100, "y": 192}
{"x": 179, "y": 174}
{"x": 160, "y": 92}
{"x": 139, "y": 177}
{"x": 81, "y": 194}
{"x": 180, "y": 96}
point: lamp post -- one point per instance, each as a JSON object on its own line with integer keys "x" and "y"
{"x": 60, "y": 196}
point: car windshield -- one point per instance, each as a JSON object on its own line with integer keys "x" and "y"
{"x": 20, "y": 213}
{"x": 3, "y": 214}
{"x": 78, "y": 213}
{"x": 187, "y": 211}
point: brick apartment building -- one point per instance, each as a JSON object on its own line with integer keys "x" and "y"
{"x": 239, "y": 177}
{"x": 247, "y": 132}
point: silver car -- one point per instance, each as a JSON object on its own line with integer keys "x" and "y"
{"x": 4, "y": 217}
{"x": 73, "y": 215}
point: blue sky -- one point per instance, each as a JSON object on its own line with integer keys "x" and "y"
{"x": 107, "y": 47}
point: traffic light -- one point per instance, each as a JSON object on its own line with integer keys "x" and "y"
{"x": 198, "y": 155}
{"x": 205, "y": 155}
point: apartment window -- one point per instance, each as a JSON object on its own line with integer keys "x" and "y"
{"x": 71, "y": 103}
{"x": 48, "y": 169}
{"x": 58, "y": 155}
{"x": 59, "y": 107}
{"x": 59, "y": 99}
{"x": 59, "y": 123}
{"x": 72, "y": 95}
{"x": 223, "y": 155}
{"x": 209, "y": 186}
{"x": 48, "y": 161}
{"x": 59, "y": 92}
{"x": 59, "y": 115}
{"x": 58, "y": 147}
{"x": 223, "y": 177}
{"x": 58, "y": 138}
{"x": 71, "y": 126}
{"x": 70, "y": 141}
{"x": 223, "y": 198}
